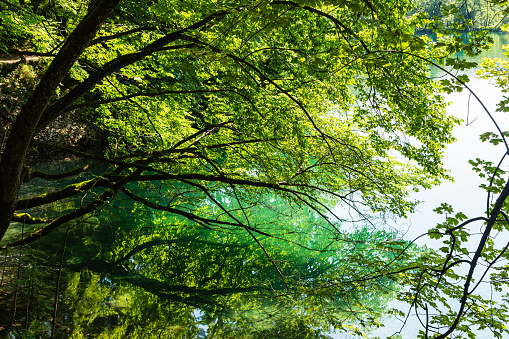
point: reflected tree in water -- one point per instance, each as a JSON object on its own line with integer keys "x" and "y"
{"x": 133, "y": 270}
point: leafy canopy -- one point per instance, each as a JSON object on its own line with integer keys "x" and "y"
{"x": 313, "y": 100}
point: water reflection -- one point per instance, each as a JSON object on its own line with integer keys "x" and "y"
{"x": 134, "y": 272}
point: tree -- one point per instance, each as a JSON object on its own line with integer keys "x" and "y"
{"x": 461, "y": 15}
{"x": 445, "y": 287}
{"x": 218, "y": 102}
{"x": 461, "y": 275}
{"x": 305, "y": 101}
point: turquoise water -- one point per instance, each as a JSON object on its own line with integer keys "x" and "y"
{"x": 131, "y": 271}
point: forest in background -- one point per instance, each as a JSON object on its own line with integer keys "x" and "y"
{"x": 460, "y": 15}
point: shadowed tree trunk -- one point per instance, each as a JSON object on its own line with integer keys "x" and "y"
{"x": 12, "y": 159}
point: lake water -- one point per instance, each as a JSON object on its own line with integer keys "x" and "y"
{"x": 134, "y": 272}
{"x": 464, "y": 193}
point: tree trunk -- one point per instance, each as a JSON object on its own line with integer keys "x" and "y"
{"x": 24, "y": 128}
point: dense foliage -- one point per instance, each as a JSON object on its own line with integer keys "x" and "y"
{"x": 307, "y": 101}
{"x": 462, "y": 15}
{"x": 213, "y": 105}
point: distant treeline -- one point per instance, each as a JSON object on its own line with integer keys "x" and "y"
{"x": 465, "y": 15}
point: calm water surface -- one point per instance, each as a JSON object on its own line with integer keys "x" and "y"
{"x": 129, "y": 271}
{"x": 464, "y": 193}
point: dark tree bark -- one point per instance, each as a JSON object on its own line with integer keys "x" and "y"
{"x": 24, "y": 128}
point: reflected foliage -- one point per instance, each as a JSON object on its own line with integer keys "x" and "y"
{"x": 131, "y": 271}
